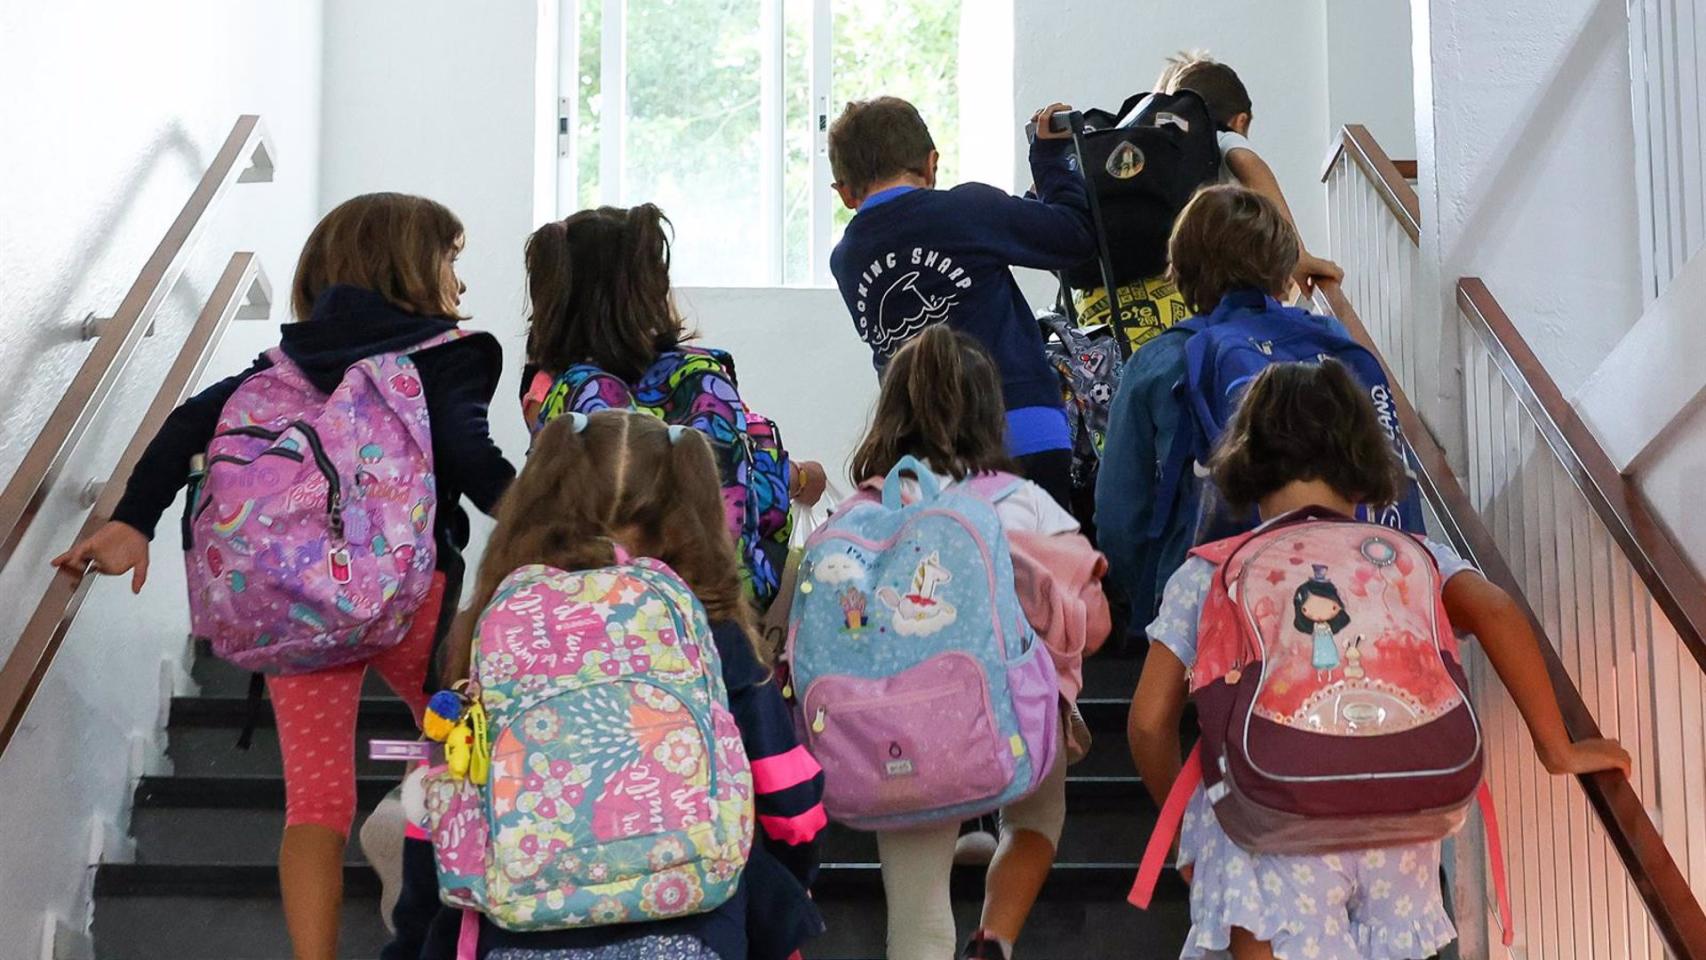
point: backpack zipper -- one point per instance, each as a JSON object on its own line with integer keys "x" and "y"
{"x": 334, "y": 487}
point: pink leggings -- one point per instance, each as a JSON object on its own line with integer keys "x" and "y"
{"x": 316, "y": 720}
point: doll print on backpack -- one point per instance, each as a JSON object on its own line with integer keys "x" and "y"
{"x": 1349, "y": 648}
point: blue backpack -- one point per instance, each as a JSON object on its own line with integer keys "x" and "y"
{"x": 1226, "y": 350}
{"x": 923, "y": 691}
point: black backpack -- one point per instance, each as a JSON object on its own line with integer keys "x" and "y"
{"x": 1139, "y": 177}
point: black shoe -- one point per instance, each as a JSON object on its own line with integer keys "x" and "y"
{"x": 983, "y": 947}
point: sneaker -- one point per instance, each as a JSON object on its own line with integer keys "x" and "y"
{"x": 981, "y": 946}
{"x": 977, "y": 842}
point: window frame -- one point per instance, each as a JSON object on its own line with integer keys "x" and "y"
{"x": 613, "y": 90}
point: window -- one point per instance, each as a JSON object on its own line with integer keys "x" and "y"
{"x": 718, "y": 111}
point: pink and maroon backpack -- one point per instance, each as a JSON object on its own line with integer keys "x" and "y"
{"x": 311, "y": 526}
{"x": 1330, "y": 693}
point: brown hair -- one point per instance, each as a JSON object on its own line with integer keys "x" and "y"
{"x": 1230, "y": 238}
{"x": 1217, "y": 84}
{"x": 876, "y": 140}
{"x": 1306, "y": 421}
{"x": 1176, "y": 64}
{"x": 599, "y": 283}
{"x": 394, "y": 244}
{"x": 624, "y": 478}
{"x": 940, "y": 402}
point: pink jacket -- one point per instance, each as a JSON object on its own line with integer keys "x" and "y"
{"x": 1059, "y": 580}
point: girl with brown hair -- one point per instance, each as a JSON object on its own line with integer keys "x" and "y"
{"x": 595, "y": 490}
{"x": 605, "y": 334}
{"x": 941, "y": 403}
{"x": 377, "y": 276}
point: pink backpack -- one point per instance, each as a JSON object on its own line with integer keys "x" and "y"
{"x": 1330, "y": 692}
{"x": 311, "y": 534}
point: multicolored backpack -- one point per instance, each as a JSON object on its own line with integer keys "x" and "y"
{"x": 923, "y": 691}
{"x": 311, "y": 536}
{"x": 697, "y": 388}
{"x": 1330, "y": 691}
{"x": 618, "y": 790}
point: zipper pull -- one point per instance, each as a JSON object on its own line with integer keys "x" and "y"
{"x": 335, "y": 515}
{"x": 817, "y": 721}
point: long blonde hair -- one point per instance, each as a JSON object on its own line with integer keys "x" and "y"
{"x": 623, "y": 478}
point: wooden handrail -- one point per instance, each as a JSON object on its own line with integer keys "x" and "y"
{"x": 120, "y": 335}
{"x": 1663, "y": 889}
{"x": 1393, "y": 188}
{"x": 1675, "y": 585}
{"x": 30, "y": 658}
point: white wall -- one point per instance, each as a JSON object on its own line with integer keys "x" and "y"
{"x": 1368, "y": 71}
{"x": 1528, "y": 163}
{"x": 111, "y": 114}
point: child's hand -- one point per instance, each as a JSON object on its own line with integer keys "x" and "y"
{"x": 1587, "y": 756}
{"x": 812, "y": 482}
{"x": 115, "y": 549}
{"x": 1044, "y": 129}
{"x": 1311, "y": 269}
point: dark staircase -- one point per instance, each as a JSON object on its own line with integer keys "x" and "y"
{"x": 204, "y": 882}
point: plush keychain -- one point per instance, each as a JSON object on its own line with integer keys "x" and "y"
{"x": 457, "y": 718}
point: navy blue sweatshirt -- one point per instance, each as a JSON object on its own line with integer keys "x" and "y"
{"x": 349, "y": 324}
{"x": 929, "y": 256}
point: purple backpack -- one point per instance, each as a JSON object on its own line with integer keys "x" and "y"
{"x": 311, "y": 525}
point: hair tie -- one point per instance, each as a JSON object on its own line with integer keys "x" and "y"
{"x": 578, "y": 421}
{"x": 676, "y": 431}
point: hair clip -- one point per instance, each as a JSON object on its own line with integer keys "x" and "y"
{"x": 675, "y": 432}
{"x": 578, "y": 421}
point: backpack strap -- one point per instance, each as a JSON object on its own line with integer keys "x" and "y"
{"x": 468, "y": 939}
{"x": 1496, "y": 859}
{"x": 1166, "y": 829}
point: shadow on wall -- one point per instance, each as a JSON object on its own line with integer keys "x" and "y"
{"x": 36, "y": 365}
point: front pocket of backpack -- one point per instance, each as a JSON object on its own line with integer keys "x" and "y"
{"x": 923, "y": 739}
{"x": 598, "y": 786}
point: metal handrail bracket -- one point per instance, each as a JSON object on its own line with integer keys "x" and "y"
{"x": 120, "y": 335}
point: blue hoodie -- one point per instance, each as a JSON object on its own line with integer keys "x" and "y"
{"x": 911, "y": 258}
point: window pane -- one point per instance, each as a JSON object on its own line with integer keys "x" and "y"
{"x": 587, "y": 89}
{"x": 904, "y": 48}
{"x": 692, "y": 135}
{"x": 797, "y": 132}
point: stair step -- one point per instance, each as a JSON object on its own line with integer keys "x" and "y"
{"x": 212, "y": 751}
{"x": 1054, "y": 930}
{"x": 245, "y": 835}
{"x": 233, "y": 712}
{"x": 185, "y": 927}
{"x": 242, "y": 792}
{"x": 1072, "y": 882}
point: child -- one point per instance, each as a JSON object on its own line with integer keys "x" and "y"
{"x": 1233, "y": 252}
{"x": 1158, "y": 302}
{"x": 627, "y": 479}
{"x": 940, "y": 403}
{"x": 376, "y": 276}
{"x": 604, "y": 332}
{"x": 915, "y": 256}
{"x": 1307, "y": 436}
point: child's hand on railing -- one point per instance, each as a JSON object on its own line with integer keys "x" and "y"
{"x": 1312, "y": 269}
{"x": 1587, "y": 756}
{"x": 115, "y": 549}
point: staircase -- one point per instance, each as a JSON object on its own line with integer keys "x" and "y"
{"x": 203, "y": 883}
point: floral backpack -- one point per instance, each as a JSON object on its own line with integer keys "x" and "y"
{"x": 1330, "y": 691}
{"x": 611, "y": 785}
{"x": 310, "y": 535}
{"x": 696, "y": 388}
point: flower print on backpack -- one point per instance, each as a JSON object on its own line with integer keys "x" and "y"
{"x": 1320, "y": 613}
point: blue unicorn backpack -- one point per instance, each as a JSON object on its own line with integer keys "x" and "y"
{"x": 922, "y": 690}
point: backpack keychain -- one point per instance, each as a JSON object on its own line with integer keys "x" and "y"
{"x": 458, "y": 719}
